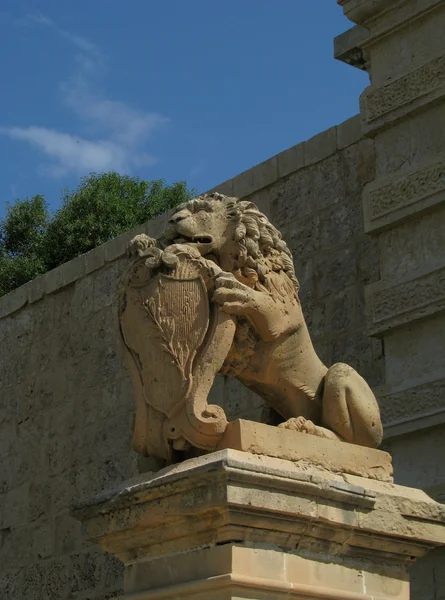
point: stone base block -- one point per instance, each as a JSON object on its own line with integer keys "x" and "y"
{"x": 235, "y": 525}
{"x": 237, "y": 570}
{"x": 337, "y": 457}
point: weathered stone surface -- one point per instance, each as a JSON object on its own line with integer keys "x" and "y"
{"x": 386, "y": 202}
{"x": 73, "y": 270}
{"x": 13, "y": 301}
{"x": 349, "y": 132}
{"x": 258, "y": 438}
{"x": 235, "y": 569}
{"x": 403, "y": 405}
{"x": 290, "y": 160}
{"x": 406, "y": 94}
{"x": 393, "y": 305}
{"x": 414, "y": 353}
{"x": 320, "y": 146}
{"x": 416, "y": 245}
{"x": 265, "y": 173}
{"x": 232, "y": 519}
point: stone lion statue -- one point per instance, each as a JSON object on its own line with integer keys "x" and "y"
{"x": 245, "y": 321}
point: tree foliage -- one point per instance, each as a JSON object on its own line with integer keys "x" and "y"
{"x": 103, "y": 206}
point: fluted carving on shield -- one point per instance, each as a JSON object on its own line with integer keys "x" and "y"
{"x": 168, "y": 326}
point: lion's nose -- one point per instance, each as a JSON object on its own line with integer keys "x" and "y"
{"x": 179, "y": 216}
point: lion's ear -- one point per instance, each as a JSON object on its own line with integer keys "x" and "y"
{"x": 247, "y": 206}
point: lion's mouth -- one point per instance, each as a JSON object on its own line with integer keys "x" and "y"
{"x": 193, "y": 239}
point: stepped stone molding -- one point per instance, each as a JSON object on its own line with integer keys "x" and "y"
{"x": 390, "y": 306}
{"x": 390, "y": 200}
{"x": 380, "y": 107}
{"x": 262, "y": 527}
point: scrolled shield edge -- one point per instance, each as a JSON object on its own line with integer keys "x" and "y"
{"x": 148, "y": 311}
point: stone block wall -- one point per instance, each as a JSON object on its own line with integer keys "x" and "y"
{"x": 66, "y": 402}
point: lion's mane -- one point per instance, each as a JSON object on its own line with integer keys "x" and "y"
{"x": 261, "y": 250}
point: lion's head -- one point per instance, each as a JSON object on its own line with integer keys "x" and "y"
{"x": 238, "y": 237}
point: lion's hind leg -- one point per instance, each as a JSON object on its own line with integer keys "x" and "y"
{"x": 349, "y": 407}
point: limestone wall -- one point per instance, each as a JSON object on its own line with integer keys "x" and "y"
{"x": 65, "y": 397}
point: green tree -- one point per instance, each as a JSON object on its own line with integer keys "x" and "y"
{"x": 102, "y": 207}
{"x": 22, "y": 242}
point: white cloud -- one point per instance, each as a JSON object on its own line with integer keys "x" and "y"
{"x": 126, "y": 125}
{"x": 119, "y": 133}
{"x": 71, "y": 151}
{"x": 82, "y": 44}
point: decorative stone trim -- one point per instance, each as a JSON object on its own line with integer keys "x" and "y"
{"x": 406, "y": 405}
{"x": 414, "y": 423}
{"x": 382, "y": 106}
{"x": 390, "y": 306}
{"x": 390, "y": 200}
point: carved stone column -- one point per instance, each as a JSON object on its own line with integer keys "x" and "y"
{"x": 234, "y": 524}
{"x": 403, "y": 110}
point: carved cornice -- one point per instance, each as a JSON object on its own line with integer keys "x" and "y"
{"x": 383, "y": 17}
{"x": 380, "y": 107}
{"x": 348, "y": 48}
{"x": 390, "y": 200}
{"x": 360, "y": 11}
{"x": 393, "y": 305}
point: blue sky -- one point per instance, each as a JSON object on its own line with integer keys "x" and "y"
{"x": 195, "y": 90}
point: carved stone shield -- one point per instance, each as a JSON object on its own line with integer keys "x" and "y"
{"x": 171, "y": 341}
{"x": 165, "y": 322}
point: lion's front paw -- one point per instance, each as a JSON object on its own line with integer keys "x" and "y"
{"x": 233, "y": 297}
{"x": 139, "y": 245}
{"x": 299, "y": 424}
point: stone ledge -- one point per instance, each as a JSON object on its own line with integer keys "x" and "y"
{"x": 393, "y": 304}
{"x": 332, "y": 455}
{"x": 348, "y": 48}
{"x": 414, "y": 424}
{"x": 13, "y": 301}
{"x": 232, "y": 496}
{"x": 75, "y": 269}
{"x": 390, "y": 200}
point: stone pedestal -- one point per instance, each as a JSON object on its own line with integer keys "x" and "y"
{"x": 233, "y": 524}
